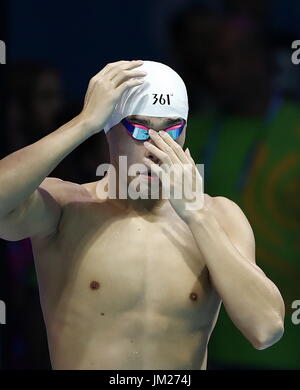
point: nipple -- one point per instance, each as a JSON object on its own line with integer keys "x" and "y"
{"x": 94, "y": 285}
{"x": 193, "y": 296}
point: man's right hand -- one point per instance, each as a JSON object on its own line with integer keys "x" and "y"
{"x": 105, "y": 89}
{"x": 27, "y": 206}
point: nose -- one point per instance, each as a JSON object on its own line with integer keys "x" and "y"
{"x": 152, "y": 157}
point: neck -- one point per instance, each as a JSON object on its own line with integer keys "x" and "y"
{"x": 119, "y": 189}
{"x": 141, "y": 206}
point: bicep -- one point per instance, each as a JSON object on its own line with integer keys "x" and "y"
{"x": 237, "y": 227}
{"x": 38, "y": 215}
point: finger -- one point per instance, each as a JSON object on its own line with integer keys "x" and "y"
{"x": 110, "y": 69}
{"x": 187, "y": 152}
{"x": 159, "y": 142}
{"x": 128, "y": 84}
{"x": 190, "y": 156}
{"x": 164, "y": 157}
{"x": 177, "y": 149}
{"x": 115, "y": 69}
{"x": 153, "y": 166}
{"x": 125, "y": 75}
{"x": 109, "y": 66}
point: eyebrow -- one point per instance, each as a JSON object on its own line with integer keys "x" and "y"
{"x": 147, "y": 122}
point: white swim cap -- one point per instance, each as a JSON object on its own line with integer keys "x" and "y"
{"x": 163, "y": 94}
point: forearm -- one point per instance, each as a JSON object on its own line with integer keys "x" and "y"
{"x": 23, "y": 171}
{"x": 252, "y": 300}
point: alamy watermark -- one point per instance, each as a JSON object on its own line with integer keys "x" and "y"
{"x": 177, "y": 181}
{"x": 2, "y": 313}
{"x": 2, "y": 52}
{"x": 296, "y": 54}
{"x": 296, "y": 313}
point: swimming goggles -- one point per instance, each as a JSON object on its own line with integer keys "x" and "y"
{"x": 141, "y": 133}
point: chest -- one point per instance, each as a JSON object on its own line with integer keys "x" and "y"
{"x": 125, "y": 264}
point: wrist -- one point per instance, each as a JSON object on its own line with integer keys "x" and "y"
{"x": 198, "y": 217}
{"x": 87, "y": 125}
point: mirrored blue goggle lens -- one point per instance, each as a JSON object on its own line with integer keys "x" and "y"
{"x": 141, "y": 133}
{"x": 175, "y": 132}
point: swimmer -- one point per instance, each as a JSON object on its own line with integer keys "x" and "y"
{"x": 134, "y": 283}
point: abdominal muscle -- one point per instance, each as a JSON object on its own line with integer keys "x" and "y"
{"x": 129, "y": 341}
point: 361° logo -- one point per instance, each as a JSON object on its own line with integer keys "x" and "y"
{"x": 161, "y": 99}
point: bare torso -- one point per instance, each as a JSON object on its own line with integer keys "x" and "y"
{"x": 121, "y": 291}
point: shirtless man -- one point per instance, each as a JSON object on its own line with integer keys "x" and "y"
{"x": 132, "y": 284}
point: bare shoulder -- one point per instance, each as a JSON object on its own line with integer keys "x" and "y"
{"x": 93, "y": 189}
{"x": 90, "y": 187}
{"x": 235, "y": 223}
{"x": 64, "y": 191}
{"x": 225, "y": 207}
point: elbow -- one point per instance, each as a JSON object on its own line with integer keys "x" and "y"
{"x": 269, "y": 337}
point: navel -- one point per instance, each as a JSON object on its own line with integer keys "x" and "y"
{"x": 193, "y": 296}
{"x": 94, "y": 285}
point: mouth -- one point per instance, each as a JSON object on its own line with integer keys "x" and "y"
{"x": 149, "y": 175}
